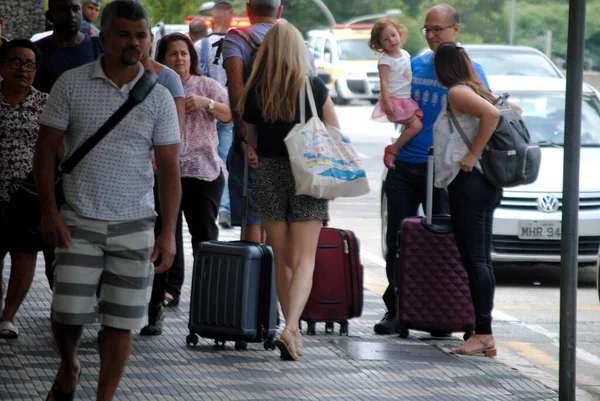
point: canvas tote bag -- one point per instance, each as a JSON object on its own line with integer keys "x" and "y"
{"x": 323, "y": 160}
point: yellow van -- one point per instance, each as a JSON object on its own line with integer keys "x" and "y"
{"x": 344, "y": 53}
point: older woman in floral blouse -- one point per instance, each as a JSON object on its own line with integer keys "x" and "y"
{"x": 203, "y": 173}
{"x": 20, "y": 108}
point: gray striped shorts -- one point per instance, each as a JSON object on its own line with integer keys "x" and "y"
{"x": 113, "y": 254}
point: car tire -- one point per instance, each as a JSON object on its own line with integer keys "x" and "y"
{"x": 339, "y": 100}
{"x": 384, "y": 222}
{"x": 373, "y": 101}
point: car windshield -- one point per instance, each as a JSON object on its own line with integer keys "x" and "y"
{"x": 355, "y": 49}
{"x": 544, "y": 115}
{"x": 499, "y": 62}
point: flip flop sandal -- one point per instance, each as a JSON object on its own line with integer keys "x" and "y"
{"x": 286, "y": 353}
{"x": 8, "y": 330}
{"x": 58, "y": 394}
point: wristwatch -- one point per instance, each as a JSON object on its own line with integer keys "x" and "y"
{"x": 211, "y": 104}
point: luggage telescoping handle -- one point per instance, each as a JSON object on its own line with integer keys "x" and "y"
{"x": 429, "y": 197}
{"x": 245, "y": 194}
{"x": 245, "y": 199}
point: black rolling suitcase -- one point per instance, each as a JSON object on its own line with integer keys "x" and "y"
{"x": 233, "y": 295}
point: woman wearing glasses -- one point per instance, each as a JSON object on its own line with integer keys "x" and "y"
{"x": 20, "y": 108}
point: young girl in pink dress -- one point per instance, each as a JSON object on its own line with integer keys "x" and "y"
{"x": 395, "y": 76}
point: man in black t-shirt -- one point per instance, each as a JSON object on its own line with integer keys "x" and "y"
{"x": 66, "y": 48}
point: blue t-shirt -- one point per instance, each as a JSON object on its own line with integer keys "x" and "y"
{"x": 172, "y": 81}
{"x": 235, "y": 46}
{"x": 56, "y": 59}
{"x": 430, "y": 96}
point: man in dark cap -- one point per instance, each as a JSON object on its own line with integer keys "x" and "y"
{"x": 91, "y": 11}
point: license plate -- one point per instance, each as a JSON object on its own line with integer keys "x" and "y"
{"x": 533, "y": 229}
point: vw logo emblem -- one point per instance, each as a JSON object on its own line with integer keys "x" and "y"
{"x": 548, "y": 204}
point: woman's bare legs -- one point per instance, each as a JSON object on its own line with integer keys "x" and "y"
{"x": 278, "y": 233}
{"x": 21, "y": 276}
{"x": 302, "y": 245}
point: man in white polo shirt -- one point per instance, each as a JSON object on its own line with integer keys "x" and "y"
{"x": 105, "y": 228}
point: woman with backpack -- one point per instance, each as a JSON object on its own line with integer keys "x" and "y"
{"x": 472, "y": 198}
{"x": 270, "y": 102}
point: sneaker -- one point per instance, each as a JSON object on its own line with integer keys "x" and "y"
{"x": 224, "y": 219}
{"x": 156, "y": 318}
{"x": 387, "y": 325}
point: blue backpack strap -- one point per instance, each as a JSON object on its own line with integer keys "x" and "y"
{"x": 247, "y": 37}
{"x": 204, "y": 51}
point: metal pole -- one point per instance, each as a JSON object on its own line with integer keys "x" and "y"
{"x": 570, "y": 203}
{"x": 548, "y": 44}
{"x": 513, "y": 21}
{"x": 325, "y": 10}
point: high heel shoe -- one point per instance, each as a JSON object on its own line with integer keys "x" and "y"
{"x": 287, "y": 345}
{"x": 475, "y": 345}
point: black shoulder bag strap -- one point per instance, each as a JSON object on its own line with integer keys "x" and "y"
{"x": 137, "y": 95}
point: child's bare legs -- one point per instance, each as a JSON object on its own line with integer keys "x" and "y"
{"x": 413, "y": 127}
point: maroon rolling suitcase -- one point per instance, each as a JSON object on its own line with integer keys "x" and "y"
{"x": 337, "y": 291}
{"x": 432, "y": 286}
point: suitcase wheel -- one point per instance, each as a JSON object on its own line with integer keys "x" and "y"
{"x": 343, "y": 328}
{"x": 191, "y": 340}
{"x": 311, "y": 330}
{"x": 241, "y": 345}
{"x": 403, "y": 330}
{"x": 329, "y": 328}
{"x": 220, "y": 343}
{"x": 269, "y": 344}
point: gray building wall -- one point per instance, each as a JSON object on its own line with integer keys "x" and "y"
{"x": 22, "y": 18}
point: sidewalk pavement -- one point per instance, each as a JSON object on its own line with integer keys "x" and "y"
{"x": 361, "y": 366}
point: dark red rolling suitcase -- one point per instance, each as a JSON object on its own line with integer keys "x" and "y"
{"x": 432, "y": 286}
{"x": 337, "y": 291}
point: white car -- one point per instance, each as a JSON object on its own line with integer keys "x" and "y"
{"x": 527, "y": 223}
{"x": 511, "y": 60}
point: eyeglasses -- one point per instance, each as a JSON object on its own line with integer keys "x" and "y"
{"x": 16, "y": 64}
{"x": 435, "y": 30}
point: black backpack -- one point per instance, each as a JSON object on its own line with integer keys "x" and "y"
{"x": 509, "y": 158}
{"x": 250, "y": 39}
